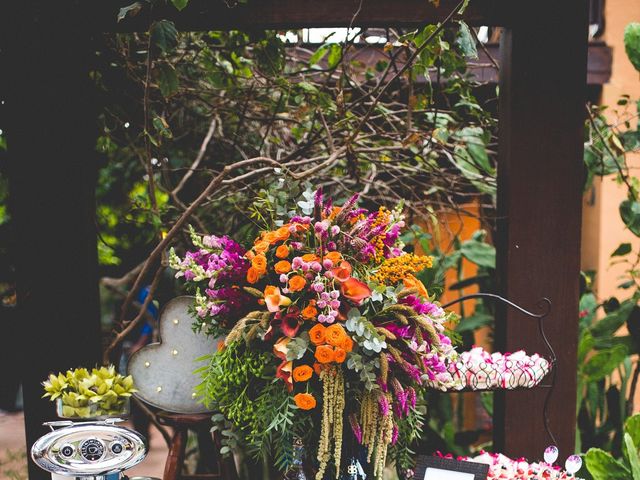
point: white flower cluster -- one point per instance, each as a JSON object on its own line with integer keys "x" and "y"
{"x": 478, "y": 369}
{"x": 502, "y": 467}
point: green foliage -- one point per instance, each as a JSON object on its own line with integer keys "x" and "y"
{"x": 467, "y": 41}
{"x": 632, "y": 43}
{"x": 256, "y": 410}
{"x": 225, "y": 379}
{"x": 622, "y": 250}
{"x": 164, "y": 35}
{"x": 477, "y": 251}
{"x": 630, "y": 213}
{"x": 607, "y": 366}
{"x": 602, "y": 404}
{"x": 259, "y": 98}
{"x": 180, "y": 4}
{"x": 603, "y": 465}
{"x": 404, "y": 451}
{"x": 167, "y": 79}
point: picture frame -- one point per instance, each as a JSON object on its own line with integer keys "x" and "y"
{"x": 437, "y": 468}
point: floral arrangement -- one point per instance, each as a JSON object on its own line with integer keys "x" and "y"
{"x": 478, "y": 369}
{"x": 216, "y": 268}
{"x": 504, "y": 468}
{"x": 325, "y": 306}
{"x": 83, "y": 394}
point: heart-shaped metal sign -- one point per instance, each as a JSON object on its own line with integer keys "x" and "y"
{"x": 163, "y": 372}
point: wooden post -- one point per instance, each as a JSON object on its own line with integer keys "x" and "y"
{"x": 52, "y": 172}
{"x": 539, "y": 204}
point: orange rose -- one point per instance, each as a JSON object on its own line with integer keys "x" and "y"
{"x": 302, "y": 373}
{"x": 282, "y": 233}
{"x": 259, "y": 262}
{"x": 412, "y": 282}
{"x": 261, "y": 246}
{"x": 249, "y": 255}
{"x": 325, "y": 354}
{"x": 282, "y": 266}
{"x": 317, "y": 367}
{"x": 310, "y": 257}
{"x": 269, "y": 237}
{"x": 347, "y": 344}
{"x": 335, "y": 257}
{"x": 340, "y": 355}
{"x": 305, "y": 401}
{"x": 309, "y": 312}
{"x": 342, "y": 272}
{"x": 317, "y": 334}
{"x": 282, "y": 251}
{"x": 297, "y": 283}
{"x": 252, "y": 275}
{"x": 335, "y": 335}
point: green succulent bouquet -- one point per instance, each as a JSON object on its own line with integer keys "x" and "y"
{"x": 82, "y": 394}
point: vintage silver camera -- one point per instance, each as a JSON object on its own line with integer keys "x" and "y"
{"x": 89, "y": 450}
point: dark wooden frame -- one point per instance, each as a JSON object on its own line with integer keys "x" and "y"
{"x": 479, "y": 470}
{"x": 47, "y": 50}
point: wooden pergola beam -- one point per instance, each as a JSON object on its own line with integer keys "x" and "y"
{"x": 540, "y": 184}
{"x": 294, "y": 14}
{"x": 50, "y": 121}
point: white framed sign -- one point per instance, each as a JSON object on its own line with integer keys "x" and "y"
{"x": 439, "y": 474}
{"x": 436, "y": 468}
